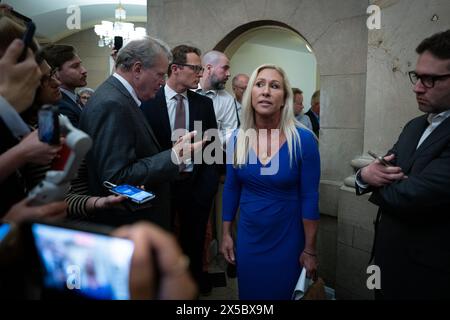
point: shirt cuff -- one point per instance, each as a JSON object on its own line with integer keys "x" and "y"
{"x": 359, "y": 181}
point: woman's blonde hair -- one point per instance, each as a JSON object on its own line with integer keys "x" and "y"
{"x": 288, "y": 124}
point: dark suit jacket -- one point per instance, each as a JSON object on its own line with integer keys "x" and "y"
{"x": 412, "y": 245}
{"x": 205, "y": 178}
{"x": 125, "y": 150}
{"x": 12, "y": 188}
{"x": 70, "y": 109}
{"x": 315, "y": 123}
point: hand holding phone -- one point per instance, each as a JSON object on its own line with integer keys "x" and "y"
{"x": 48, "y": 125}
{"x": 118, "y": 43}
{"x": 381, "y": 159}
{"x": 27, "y": 39}
{"x": 134, "y": 194}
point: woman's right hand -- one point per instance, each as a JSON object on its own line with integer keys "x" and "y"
{"x": 227, "y": 248}
{"x": 36, "y": 151}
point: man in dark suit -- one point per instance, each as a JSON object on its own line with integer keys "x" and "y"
{"x": 125, "y": 149}
{"x": 71, "y": 73}
{"x": 193, "y": 193}
{"x": 314, "y": 112}
{"x": 412, "y": 240}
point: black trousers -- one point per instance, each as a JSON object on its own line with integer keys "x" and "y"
{"x": 192, "y": 216}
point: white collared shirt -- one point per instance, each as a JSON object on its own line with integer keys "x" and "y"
{"x": 225, "y": 112}
{"x": 172, "y": 105}
{"x": 434, "y": 121}
{"x": 129, "y": 88}
{"x": 171, "y": 102}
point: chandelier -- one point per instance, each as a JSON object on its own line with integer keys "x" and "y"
{"x": 108, "y": 30}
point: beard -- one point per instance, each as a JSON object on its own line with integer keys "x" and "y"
{"x": 217, "y": 84}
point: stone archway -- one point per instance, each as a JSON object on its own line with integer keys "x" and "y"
{"x": 230, "y": 37}
{"x": 262, "y": 42}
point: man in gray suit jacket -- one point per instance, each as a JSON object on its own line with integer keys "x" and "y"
{"x": 125, "y": 149}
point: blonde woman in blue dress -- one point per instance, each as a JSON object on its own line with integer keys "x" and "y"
{"x": 273, "y": 173}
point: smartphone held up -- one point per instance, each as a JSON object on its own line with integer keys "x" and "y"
{"x": 118, "y": 43}
{"x": 27, "y": 39}
{"x": 48, "y": 124}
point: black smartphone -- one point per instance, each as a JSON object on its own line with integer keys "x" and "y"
{"x": 48, "y": 124}
{"x": 81, "y": 261}
{"x": 118, "y": 43}
{"x": 27, "y": 39}
{"x": 19, "y": 15}
{"x": 381, "y": 159}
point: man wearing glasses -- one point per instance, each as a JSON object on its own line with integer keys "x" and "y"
{"x": 173, "y": 111}
{"x": 412, "y": 231}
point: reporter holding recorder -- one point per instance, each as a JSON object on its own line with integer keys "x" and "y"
{"x": 24, "y": 159}
{"x": 80, "y": 204}
{"x": 18, "y": 83}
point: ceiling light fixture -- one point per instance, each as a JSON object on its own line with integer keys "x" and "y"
{"x": 107, "y": 30}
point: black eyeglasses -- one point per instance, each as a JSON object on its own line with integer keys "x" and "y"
{"x": 47, "y": 77}
{"x": 195, "y": 67}
{"x": 427, "y": 80}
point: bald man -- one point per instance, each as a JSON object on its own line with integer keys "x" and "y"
{"x": 212, "y": 84}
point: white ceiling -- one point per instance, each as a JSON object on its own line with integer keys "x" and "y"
{"x": 50, "y": 16}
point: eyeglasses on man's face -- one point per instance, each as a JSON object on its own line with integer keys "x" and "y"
{"x": 195, "y": 67}
{"x": 49, "y": 76}
{"x": 428, "y": 81}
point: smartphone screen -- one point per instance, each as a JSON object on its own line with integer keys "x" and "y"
{"x": 91, "y": 265}
{"x": 48, "y": 125}
{"x": 135, "y": 194}
{"x": 4, "y": 229}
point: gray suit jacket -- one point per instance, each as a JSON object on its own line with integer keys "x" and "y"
{"x": 125, "y": 150}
